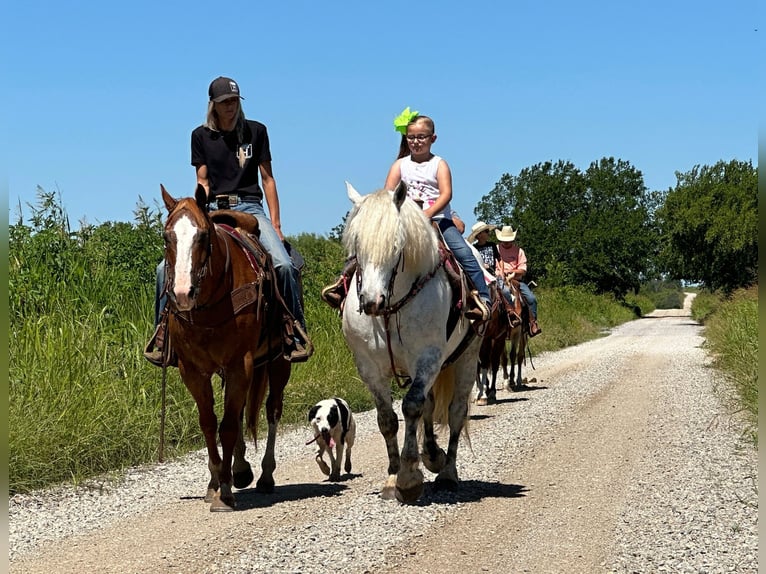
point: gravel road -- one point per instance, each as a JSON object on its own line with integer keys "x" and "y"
{"x": 623, "y": 455}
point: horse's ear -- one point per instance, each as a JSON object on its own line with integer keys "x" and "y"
{"x": 400, "y": 194}
{"x": 353, "y": 194}
{"x": 200, "y": 196}
{"x": 170, "y": 201}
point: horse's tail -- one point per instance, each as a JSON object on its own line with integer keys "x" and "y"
{"x": 444, "y": 391}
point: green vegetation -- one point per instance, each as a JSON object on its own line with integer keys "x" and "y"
{"x": 709, "y": 225}
{"x": 664, "y": 294}
{"x": 731, "y": 335}
{"x": 83, "y": 401}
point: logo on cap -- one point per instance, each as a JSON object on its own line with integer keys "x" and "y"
{"x": 223, "y": 88}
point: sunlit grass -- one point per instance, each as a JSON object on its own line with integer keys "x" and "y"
{"x": 731, "y": 334}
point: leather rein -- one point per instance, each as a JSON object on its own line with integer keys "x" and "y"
{"x": 386, "y": 312}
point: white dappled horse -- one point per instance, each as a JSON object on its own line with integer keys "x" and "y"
{"x": 397, "y": 323}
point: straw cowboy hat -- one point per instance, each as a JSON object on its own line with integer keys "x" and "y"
{"x": 505, "y": 234}
{"x": 477, "y": 228}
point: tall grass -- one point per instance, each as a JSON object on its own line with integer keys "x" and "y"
{"x": 731, "y": 335}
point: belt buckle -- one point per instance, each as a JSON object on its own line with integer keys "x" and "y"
{"x": 226, "y": 201}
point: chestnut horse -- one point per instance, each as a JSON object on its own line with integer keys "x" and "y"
{"x": 492, "y": 350}
{"x": 518, "y": 334}
{"x": 399, "y": 321}
{"x": 223, "y": 319}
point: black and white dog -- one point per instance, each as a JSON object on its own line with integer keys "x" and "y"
{"x": 334, "y": 426}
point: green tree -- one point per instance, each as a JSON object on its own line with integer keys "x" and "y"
{"x": 591, "y": 228}
{"x": 709, "y": 226}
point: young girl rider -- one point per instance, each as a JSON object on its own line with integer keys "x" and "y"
{"x": 429, "y": 182}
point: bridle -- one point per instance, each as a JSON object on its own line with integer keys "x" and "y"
{"x": 388, "y": 310}
{"x": 203, "y": 269}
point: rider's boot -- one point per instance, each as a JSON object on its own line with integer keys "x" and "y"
{"x": 534, "y": 328}
{"x": 335, "y": 294}
{"x": 155, "y": 348}
{"x": 298, "y": 346}
{"x": 476, "y": 308}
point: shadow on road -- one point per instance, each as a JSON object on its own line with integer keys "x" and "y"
{"x": 248, "y": 498}
{"x": 470, "y": 491}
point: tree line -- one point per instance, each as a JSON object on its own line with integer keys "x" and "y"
{"x": 603, "y": 229}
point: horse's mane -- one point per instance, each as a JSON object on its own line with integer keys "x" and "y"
{"x": 376, "y": 231}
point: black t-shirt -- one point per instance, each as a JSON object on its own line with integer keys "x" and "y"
{"x": 218, "y": 151}
{"x": 489, "y": 255}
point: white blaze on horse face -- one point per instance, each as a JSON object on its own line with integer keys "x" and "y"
{"x": 185, "y": 231}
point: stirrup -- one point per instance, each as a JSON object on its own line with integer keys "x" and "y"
{"x": 154, "y": 350}
{"x": 334, "y": 294}
{"x": 300, "y": 347}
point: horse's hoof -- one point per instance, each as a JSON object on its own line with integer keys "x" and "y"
{"x": 210, "y": 495}
{"x": 243, "y": 478}
{"x": 220, "y": 505}
{"x": 388, "y": 493}
{"x": 335, "y": 477}
{"x": 409, "y": 495}
{"x": 482, "y": 402}
{"x": 264, "y": 485}
{"x": 445, "y": 484}
{"x": 436, "y": 464}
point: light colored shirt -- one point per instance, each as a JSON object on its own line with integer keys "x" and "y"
{"x": 512, "y": 259}
{"x": 420, "y": 178}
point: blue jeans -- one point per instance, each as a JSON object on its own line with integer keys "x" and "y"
{"x": 287, "y": 274}
{"x": 465, "y": 257}
{"x": 526, "y": 294}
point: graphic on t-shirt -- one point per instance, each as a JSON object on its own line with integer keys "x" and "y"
{"x": 246, "y": 150}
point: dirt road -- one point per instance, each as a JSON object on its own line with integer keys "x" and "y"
{"x": 619, "y": 457}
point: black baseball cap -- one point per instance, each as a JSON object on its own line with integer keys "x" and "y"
{"x": 222, "y": 89}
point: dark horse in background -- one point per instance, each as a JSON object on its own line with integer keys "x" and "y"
{"x": 507, "y": 322}
{"x": 224, "y": 320}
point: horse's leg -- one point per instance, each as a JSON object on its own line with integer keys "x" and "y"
{"x": 229, "y": 431}
{"x": 520, "y": 358}
{"x": 241, "y": 469}
{"x": 379, "y": 386}
{"x": 388, "y": 423}
{"x": 482, "y": 380}
{"x": 202, "y": 391}
{"x": 498, "y": 350}
{"x": 458, "y": 411}
{"x": 481, "y": 398}
{"x": 433, "y": 456}
{"x": 504, "y": 363}
{"x": 512, "y": 362}
{"x": 409, "y": 480}
{"x": 278, "y": 375}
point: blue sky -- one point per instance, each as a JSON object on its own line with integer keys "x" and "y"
{"x": 101, "y": 97}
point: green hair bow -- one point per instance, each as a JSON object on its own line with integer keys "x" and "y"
{"x": 402, "y": 120}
